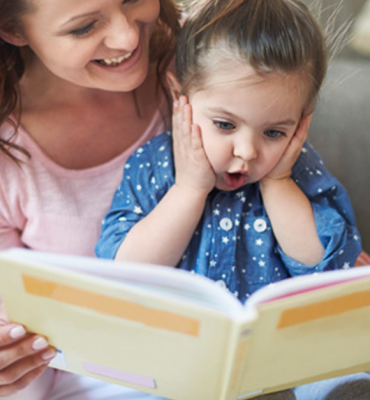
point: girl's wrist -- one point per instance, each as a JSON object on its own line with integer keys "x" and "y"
{"x": 190, "y": 193}
{"x": 267, "y": 183}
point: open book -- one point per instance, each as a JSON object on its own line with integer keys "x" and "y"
{"x": 182, "y": 336}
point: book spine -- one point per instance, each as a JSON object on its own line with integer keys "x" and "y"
{"x": 236, "y": 361}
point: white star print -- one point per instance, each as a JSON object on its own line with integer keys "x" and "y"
{"x": 225, "y": 240}
{"x": 140, "y": 150}
{"x": 261, "y": 263}
{"x": 165, "y": 164}
{"x": 259, "y": 242}
{"x": 213, "y": 263}
{"x": 138, "y": 210}
{"x": 127, "y": 166}
{"x": 216, "y": 212}
{"x": 162, "y": 148}
{"x": 139, "y": 187}
{"x": 346, "y": 265}
{"x": 122, "y": 219}
{"x": 356, "y": 237}
{"x": 247, "y": 227}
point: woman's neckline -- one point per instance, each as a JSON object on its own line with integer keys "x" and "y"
{"x": 52, "y": 166}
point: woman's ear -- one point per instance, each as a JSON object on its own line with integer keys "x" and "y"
{"x": 14, "y": 38}
{"x": 174, "y": 86}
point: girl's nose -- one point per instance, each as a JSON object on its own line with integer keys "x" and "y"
{"x": 246, "y": 149}
{"x": 122, "y": 34}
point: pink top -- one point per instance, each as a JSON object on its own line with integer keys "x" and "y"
{"x": 46, "y": 207}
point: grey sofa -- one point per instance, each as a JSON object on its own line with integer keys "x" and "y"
{"x": 340, "y": 131}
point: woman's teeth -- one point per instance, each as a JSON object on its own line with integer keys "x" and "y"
{"x": 113, "y": 62}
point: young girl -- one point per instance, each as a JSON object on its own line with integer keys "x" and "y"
{"x": 244, "y": 200}
{"x": 236, "y": 193}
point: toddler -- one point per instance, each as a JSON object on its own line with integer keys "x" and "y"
{"x": 235, "y": 192}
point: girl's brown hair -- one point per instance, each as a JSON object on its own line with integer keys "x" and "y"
{"x": 12, "y": 67}
{"x": 269, "y": 35}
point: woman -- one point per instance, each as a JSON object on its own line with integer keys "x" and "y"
{"x": 82, "y": 85}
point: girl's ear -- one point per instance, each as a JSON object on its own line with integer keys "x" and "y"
{"x": 14, "y": 38}
{"x": 174, "y": 85}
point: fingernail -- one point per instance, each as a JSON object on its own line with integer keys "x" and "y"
{"x": 17, "y": 332}
{"x": 48, "y": 355}
{"x": 39, "y": 344}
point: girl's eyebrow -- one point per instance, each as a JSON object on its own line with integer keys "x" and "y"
{"x": 286, "y": 122}
{"x": 91, "y": 14}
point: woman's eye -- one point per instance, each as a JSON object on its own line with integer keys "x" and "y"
{"x": 223, "y": 125}
{"x": 83, "y": 31}
{"x": 271, "y": 133}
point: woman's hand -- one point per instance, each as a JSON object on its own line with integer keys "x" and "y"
{"x": 283, "y": 168}
{"x": 23, "y": 357}
{"x": 193, "y": 169}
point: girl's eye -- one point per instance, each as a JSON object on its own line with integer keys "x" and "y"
{"x": 224, "y": 125}
{"x": 273, "y": 133}
{"x": 85, "y": 30}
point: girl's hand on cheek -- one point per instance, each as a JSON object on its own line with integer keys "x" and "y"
{"x": 283, "y": 168}
{"x": 193, "y": 170}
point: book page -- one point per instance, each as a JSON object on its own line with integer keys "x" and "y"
{"x": 305, "y": 283}
{"x": 157, "y": 279}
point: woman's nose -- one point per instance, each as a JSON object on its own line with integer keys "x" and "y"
{"x": 122, "y": 34}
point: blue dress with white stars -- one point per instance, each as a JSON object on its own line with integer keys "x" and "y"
{"x": 233, "y": 242}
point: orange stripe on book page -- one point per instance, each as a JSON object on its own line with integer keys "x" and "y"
{"x": 110, "y": 306}
{"x": 327, "y": 308}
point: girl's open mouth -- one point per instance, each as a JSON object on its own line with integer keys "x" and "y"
{"x": 236, "y": 179}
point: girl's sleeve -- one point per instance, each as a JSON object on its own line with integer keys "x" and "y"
{"x": 334, "y": 216}
{"x": 148, "y": 174}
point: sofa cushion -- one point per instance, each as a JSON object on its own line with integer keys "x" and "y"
{"x": 340, "y": 131}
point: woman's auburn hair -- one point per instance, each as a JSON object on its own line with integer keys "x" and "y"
{"x": 163, "y": 45}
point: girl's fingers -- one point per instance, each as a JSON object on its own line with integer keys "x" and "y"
{"x": 196, "y": 138}
{"x": 303, "y": 128}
